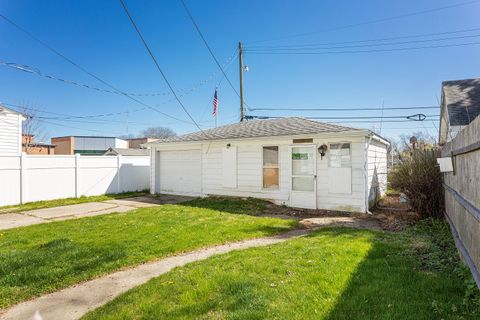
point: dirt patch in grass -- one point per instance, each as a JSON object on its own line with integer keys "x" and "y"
{"x": 389, "y": 214}
{"x": 393, "y": 214}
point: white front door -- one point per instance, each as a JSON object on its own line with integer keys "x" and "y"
{"x": 304, "y": 176}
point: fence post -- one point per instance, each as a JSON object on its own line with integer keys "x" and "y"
{"x": 119, "y": 165}
{"x": 77, "y": 175}
{"x": 23, "y": 177}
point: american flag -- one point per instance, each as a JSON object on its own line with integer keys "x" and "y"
{"x": 215, "y": 104}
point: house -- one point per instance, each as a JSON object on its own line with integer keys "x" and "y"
{"x": 126, "y": 152}
{"x": 291, "y": 161}
{"x": 136, "y": 143}
{"x": 10, "y": 132}
{"x": 460, "y": 105}
{"x": 86, "y": 145}
{"x": 30, "y": 146}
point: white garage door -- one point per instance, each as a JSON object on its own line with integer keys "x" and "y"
{"x": 180, "y": 172}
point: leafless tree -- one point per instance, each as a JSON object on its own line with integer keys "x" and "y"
{"x": 422, "y": 138}
{"x": 32, "y": 128}
{"x": 158, "y": 132}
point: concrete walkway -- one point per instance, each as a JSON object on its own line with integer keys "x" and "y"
{"x": 74, "y": 302}
{"x": 88, "y": 209}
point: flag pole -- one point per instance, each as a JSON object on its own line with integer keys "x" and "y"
{"x": 215, "y": 106}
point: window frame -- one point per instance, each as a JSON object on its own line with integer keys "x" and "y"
{"x": 278, "y": 167}
{"x": 349, "y": 151}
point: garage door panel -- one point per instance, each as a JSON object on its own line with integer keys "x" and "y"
{"x": 180, "y": 171}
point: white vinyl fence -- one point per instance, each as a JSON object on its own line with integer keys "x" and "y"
{"x": 29, "y": 178}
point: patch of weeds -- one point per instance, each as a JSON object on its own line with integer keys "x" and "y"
{"x": 433, "y": 248}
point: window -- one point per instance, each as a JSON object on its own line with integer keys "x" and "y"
{"x": 340, "y": 155}
{"x": 270, "y": 167}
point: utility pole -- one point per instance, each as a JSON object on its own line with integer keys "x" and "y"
{"x": 240, "y": 66}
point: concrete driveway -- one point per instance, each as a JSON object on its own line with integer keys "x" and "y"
{"x": 88, "y": 209}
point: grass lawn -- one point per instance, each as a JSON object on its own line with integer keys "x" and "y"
{"x": 333, "y": 274}
{"x": 67, "y": 201}
{"x": 43, "y": 258}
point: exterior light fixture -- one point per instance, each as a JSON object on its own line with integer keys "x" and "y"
{"x": 322, "y": 150}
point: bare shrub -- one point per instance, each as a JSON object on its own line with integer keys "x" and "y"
{"x": 419, "y": 177}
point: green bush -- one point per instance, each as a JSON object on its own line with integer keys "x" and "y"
{"x": 419, "y": 177}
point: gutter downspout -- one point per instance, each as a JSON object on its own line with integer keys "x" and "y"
{"x": 365, "y": 172}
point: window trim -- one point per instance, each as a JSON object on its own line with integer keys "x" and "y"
{"x": 278, "y": 167}
{"x": 349, "y": 150}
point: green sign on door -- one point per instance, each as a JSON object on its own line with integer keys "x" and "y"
{"x": 299, "y": 156}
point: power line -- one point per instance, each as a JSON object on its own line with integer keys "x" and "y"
{"x": 218, "y": 86}
{"x": 374, "y": 21}
{"x": 69, "y": 116}
{"x": 78, "y": 128}
{"x": 369, "y": 121}
{"x": 208, "y": 46}
{"x": 36, "y": 71}
{"x": 323, "y": 47}
{"x": 406, "y": 128}
{"x": 359, "y": 117}
{"x": 75, "y": 119}
{"x": 342, "y": 109}
{"x": 158, "y": 66}
{"x": 50, "y": 48}
{"x": 368, "y": 40}
{"x": 367, "y": 51}
{"x": 404, "y": 119}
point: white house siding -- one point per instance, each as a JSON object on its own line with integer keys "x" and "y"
{"x": 355, "y": 201}
{"x": 250, "y": 171}
{"x": 377, "y": 170}
{"x": 10, "y": 133}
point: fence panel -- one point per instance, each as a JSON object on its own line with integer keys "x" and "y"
{"x": 98, "y": 175}
{"x": 49, "y": 177}
{"x": 462, "y": 194}
{"x": 29, "y": 178}
{"x": 10, "y": 180}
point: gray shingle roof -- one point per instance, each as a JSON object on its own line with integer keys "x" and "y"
{"x": 261, "y": 128}
{"x": 462, "y": 100}
{"x": 127, "y": 152}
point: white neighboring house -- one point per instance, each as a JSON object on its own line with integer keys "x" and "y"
{"x": 291, "y": 161}
{"x": 10, "y": 132}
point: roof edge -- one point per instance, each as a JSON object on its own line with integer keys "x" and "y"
{"x": 355, "y": 132}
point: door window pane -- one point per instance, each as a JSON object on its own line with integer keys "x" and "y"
{"x": 270, "y": 168}
{"x": 303, "y": 183}
{"x": 303, "y": 161}
{"x": 340, "y": 155}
